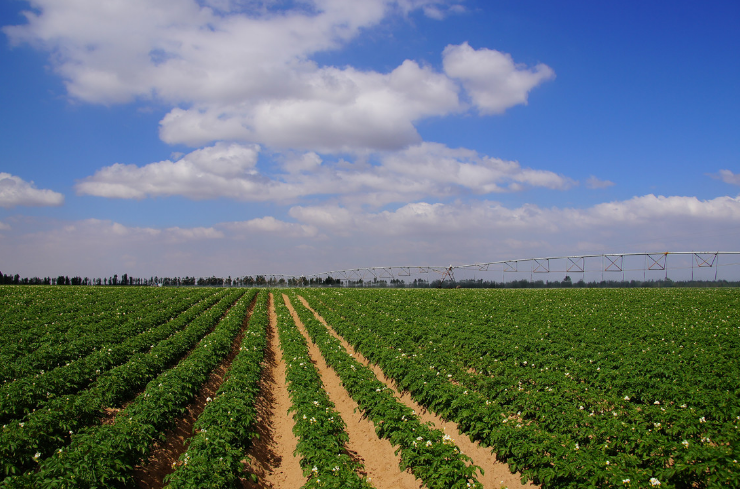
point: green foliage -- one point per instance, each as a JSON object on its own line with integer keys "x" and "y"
{"x": 24, "y": 442}
{"x": 317, "y": 425}
{"x": 431, "y": 456}
{"x": 577, "y": 388}
{"x": 225, "y": 429}
{"x": 102, "y": 455}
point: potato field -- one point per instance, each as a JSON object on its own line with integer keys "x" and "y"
{"x": 368, "y": 388}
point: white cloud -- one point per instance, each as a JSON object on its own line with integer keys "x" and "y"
{"x": 305, "y": 163}
{"x": 494, "y": 82}
{"x": 100, "y": 248}
{"x": 331, "y": 237}
{"x": 334, "y": 219}
{"x": 728, "y": 177}
{"x": 333, "y": 110}
{"x": 4, "y": 227}
{"x": 229, "y": 170}
{"x": 180, "y": 51}
{"x": 222, "y": 170}
{"x": 235, "y": 70}
{"x": 272, "y": 226}
{"x": 15, "y": 191}
{"x": 595, "y": 183}
{"x": 648, "y": 208}
{"x": 655, "y": 213}
{"x": 99, "y": 231}
{"x": 187, "y": 234}
{"x": 439, "y": 167}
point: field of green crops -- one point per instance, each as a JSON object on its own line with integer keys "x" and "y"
{"x": 572, "y": 388}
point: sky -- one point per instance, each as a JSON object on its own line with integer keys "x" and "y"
{"x": 244, "y": 137}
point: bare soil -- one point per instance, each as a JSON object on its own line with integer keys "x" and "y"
{"x": 112, "y": 412}
{"x": 271, "y": 456}
{"x": 377, "y": 454}
{"x": 497, "y": 474}
{"x": 164, "y": 455}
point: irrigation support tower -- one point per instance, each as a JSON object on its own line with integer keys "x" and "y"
{"x": 687, "y": 265}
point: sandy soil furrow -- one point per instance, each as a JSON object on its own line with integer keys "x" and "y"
{"x": 164, "y": 454}
{"x": 377, "y": 454}
{"x": 271, "y": 456}
{"x": 112, "y": 411}
{"x": 496, "y": 475}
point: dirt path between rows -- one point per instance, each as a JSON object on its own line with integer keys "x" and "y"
{"x": 112, "y": 411}
{"x": 165, "y": 454}
{"x": 497, "y": 474}
{"x": 271, "y": 456}
{"x": 377, "y": 454}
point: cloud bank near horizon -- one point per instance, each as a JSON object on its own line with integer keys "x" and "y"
{"x": 330, "y": 236}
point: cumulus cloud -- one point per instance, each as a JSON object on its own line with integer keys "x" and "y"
{"x": 15, "y": 191}
{"x": 466, "y": 168}
{"x": 226, "y": 170}
{"x": 236, "y": 70}
{"x": 492, "y": 78}
{"x": 334, "y": 110}
{"x": 659, "y": 212}
{"x": 595, "y": 183}
{"x": 229, "y": 170}
{"x": 727, "y": 176}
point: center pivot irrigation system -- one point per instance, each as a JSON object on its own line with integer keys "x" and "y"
{"x": 684, "y": 265}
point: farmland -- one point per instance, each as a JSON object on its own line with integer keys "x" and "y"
{"x": 154, "y": 387}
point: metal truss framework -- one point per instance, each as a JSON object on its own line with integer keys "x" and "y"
{"x": 607, "y": 263}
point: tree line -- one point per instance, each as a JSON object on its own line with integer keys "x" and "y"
{"x": 125, "y": 279}
{"x": 271, "y": 281}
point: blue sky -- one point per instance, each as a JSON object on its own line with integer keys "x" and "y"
{"x": 236, "y": 137}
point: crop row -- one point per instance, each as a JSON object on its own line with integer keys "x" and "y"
{"x": 225, "y": 429}
{"x": 318, "y": 426}
{"x": 38, "y": 435}
{"x": 430, "y": 454}
{"x": 32, "y": 336}
{"x": 560, "y": 426}
{"x": 105, "y": 455}
{"x": 84, "y": 341}
{"x": 136, "y": 336}
{"x": 54, "y": 310}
